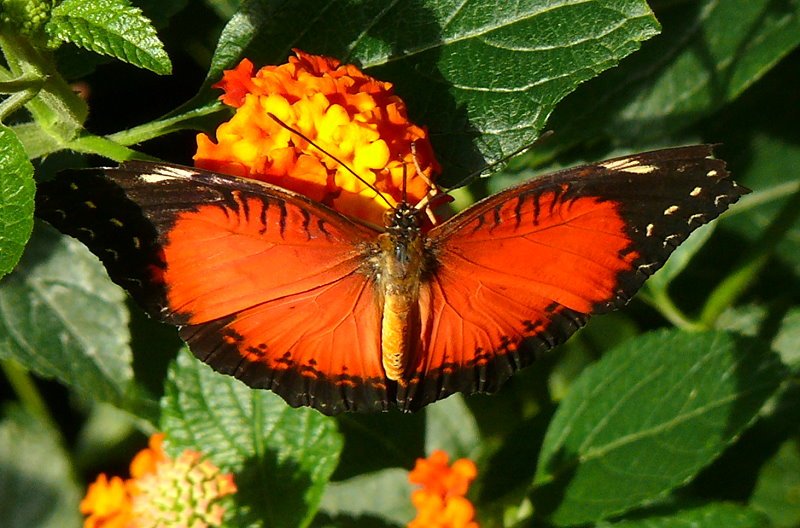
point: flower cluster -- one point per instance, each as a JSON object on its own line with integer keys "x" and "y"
{"x": 355, "y": 119}
{"x": 27, "y": 17}
{"x": 441, "y": 501}
{"x": 161, "y": 492}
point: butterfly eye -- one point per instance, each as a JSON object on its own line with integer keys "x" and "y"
{"x": 389, "y": 217}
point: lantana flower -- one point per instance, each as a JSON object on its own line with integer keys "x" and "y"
{"x": 441, "y": 501}
{"x": 357, "y": 120}
{"x": 161, "y": 492}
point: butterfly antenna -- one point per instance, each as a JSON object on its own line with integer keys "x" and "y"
{"x": 334, "y": 158}
{"x": 435, "y": 194}
{"x": 405, "y": 176}
{"x": 471, "y": 176}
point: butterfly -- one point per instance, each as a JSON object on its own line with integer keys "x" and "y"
{"x": 287, "y": 294}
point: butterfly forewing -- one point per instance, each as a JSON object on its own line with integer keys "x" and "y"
{"x": 519, "y": 272}
{"x": 266, "y": 284}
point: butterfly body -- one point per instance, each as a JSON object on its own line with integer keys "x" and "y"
{"x": 399, "y": 265}
{"x": 287, "y": 294}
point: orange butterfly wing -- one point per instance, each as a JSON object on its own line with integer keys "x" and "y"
{"x": 279, "y": 290}
{"x": 265, "y": 284}
{"x": 521, "y": 271}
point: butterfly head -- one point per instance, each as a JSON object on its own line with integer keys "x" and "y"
{"x": 402, "y": 219}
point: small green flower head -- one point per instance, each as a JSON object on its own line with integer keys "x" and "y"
{"x": 26, "y": 17}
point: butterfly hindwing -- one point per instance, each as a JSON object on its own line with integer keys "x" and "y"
{"x": 265, "y": 284}
{"x": 519, "y": 272}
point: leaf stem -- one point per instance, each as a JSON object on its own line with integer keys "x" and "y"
{"x": 27, "y": 392}
{"x": 660, "y": 300}
{"x": 735, "y": 284}
{"x": 26, "y": 81}
{"x": 103, "y": 146}
{"x": 164, "y": 125}
{"x": 14, "y": 102}
{"x": 55, "y": 108}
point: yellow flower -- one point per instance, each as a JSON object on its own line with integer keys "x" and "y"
{"x": 440, "y": 502}
{"x": 160, "y": 493}
{"x": 353, "y": 117}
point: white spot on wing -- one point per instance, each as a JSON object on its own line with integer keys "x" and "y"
{"x": 165, "y": 173}
{"x": 647, "y": 267}
{"x": 670, "y": 210}
{"x": 639, "y": 169}
{"x": 616, "y": 164}
{"x": 650, "y": 229}
{"x": 695, "y": 191}
{"x": 155, "y": 178}
{"x": 630, "y": 165}
{"x": 698, "y": 217}
{"x": 669, "y": 239}
{"x": 711, "y": 173}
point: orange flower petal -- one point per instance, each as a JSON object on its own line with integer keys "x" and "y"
{"x": 106, "y": 503}
{"x": 440, "y": 503}
{"x": 355, "y": 119}
{"x": 146, "y": 460}
{"x": 161, "y": 492}
{"x": 236, "y": 83}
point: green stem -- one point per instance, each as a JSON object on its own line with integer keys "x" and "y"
{"x": 56, "y": 108}
{"x": 14, "y": 102}
{"x": 27, "y": 392}
{"x": 164, "y": 125}
{"x": 102, "y": 146}
{"x": 759, "y": 198}
{"x": 25, "y": 82}
{"x": 735, "y": 284}
{"x": 660, "y": 300}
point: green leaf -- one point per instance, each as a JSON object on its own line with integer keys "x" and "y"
{"x": 451, "y": 427}
{"x": 36, "y": 140}
{"x": 778, "y": 487}
{"x": 710, "y": 52}
{"x": 763, "y": 165}
{"x": 781, "y": 326}
{"x": 713, "y": 515}
{"x": 599, "y": 335}
{"x": 384, "y": 495}
{"x": 63, "y": 318}
{"x": 646, "y": 418}
{"x": 110, "y": 27}
{"x": 243, "y": 28}
{"x": 281, "y": 457}
{"x": 733, "y": 475}
{"x": 37, "y": 486}
{"x": 787, "y": 339}
{"x": 483, "y": 76}
{"x": 16, "y": 199}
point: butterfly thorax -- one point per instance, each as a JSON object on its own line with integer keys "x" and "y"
{"x": 398, "y": 264}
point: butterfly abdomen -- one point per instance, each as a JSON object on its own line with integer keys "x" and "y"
{"x": 399, "y": 267}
